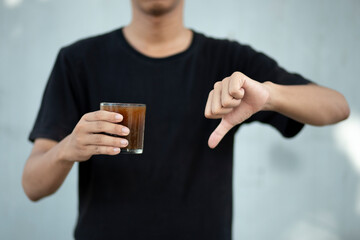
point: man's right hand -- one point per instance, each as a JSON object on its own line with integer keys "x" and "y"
{"x": 88, "y": 138}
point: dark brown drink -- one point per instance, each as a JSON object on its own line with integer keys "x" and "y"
{"x": 134, "y": 119}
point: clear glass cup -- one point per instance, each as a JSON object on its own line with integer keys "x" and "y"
{"x": 133, "y": 118}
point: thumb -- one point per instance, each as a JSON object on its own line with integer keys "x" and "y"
{"x": 219, "y": 133}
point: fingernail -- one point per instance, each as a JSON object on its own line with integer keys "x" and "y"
{"x": 125, "y": 130}
{"x": 118, "y": 117}
{"x": 124, "y": 142}
{"x": 116, "y": 149}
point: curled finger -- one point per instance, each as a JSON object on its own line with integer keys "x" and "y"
{"x": 105, "y": 140}
{"x": 216, "y": 104}
{"x": 103, "y": 150}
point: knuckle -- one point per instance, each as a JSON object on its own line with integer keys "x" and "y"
{"x": 97, "y": 114}
{"x": 211, "y": 116}
{"x": 207, "y": 114}
{"x": 226, "y": 103}
{"x": 99, "y": 126}
{"x": 78, "y": 141}
{"x": 226, "y": 79}
{"x": 217, "y": 85}
{"x": 210, "y": 94}
{"x": 216, "y": 110}
{"x": 85, "y": 116}
{"x": 234, "y": 92}
{"x": 237, "y": 74}
{"x": 97, "y": 150}
{"x": 79, "y": 128}
{"x": 98, "y": 139}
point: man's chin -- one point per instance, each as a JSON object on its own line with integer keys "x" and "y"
{"x": 157, "y": 8}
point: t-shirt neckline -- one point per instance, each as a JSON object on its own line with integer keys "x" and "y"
{"x": 138, "y": 54}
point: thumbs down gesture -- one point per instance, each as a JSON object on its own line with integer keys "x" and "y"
{"x": 233, "y": 100}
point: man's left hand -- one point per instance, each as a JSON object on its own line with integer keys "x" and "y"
{"x": 234, "y": 99}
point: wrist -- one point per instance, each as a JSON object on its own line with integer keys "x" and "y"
{"x": 61, "y": 153}
{"x": 271, "y": 103}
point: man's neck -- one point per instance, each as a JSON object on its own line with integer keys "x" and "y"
{"x": 158, "y": 36}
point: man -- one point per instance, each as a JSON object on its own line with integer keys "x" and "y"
{"x": 181, "y": 186}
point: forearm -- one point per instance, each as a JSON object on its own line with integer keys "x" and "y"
{"x": 309, "y": 104}
{"x": 44, "y": 172}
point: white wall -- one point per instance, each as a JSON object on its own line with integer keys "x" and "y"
{"x": 306, "y": 188}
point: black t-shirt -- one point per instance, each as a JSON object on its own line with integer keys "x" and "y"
{"x": 178, "y": 188}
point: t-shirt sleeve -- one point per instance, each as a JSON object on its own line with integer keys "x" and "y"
{"x": 59, "y": 111}
{"x": 262, "y": 68}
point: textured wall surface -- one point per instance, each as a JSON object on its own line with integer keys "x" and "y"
{"x": 304, "y": 188}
